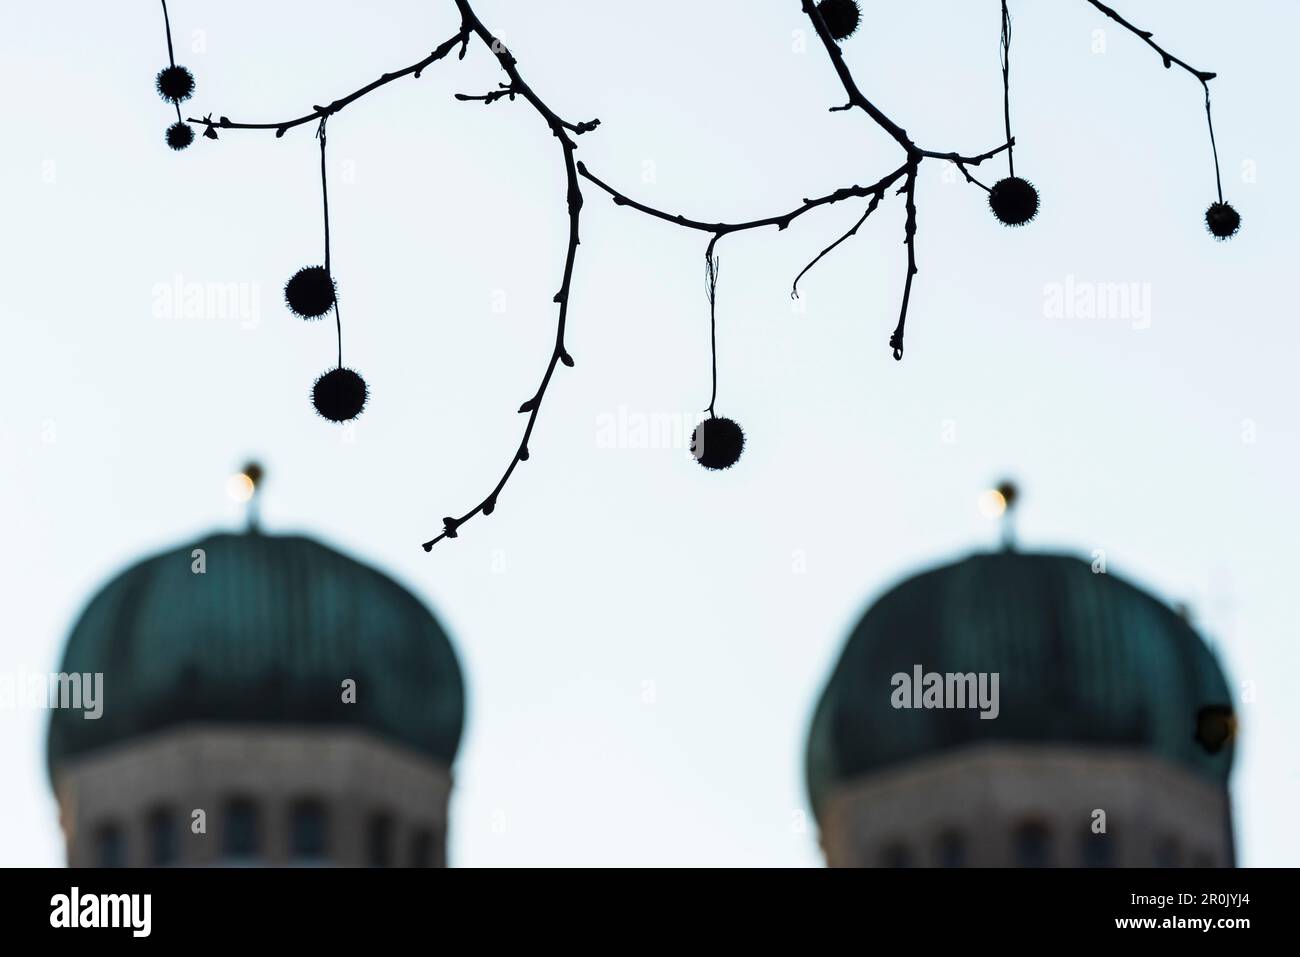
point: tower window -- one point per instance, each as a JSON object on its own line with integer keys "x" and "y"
{"x": 1033, "y": 845}
{"x": 1168, "y": 853}
{"x": 161, "y": 828}
{"x": 308, "y": 830}
{"x": 950, "y": 850}
{"x": 110, "y": 845}
{"x": 241, "y": 835}
{"x": 895, "y": 855}
{"x": 422, "y": 848}
{"x": 1096, "y": 850}
{"x": 379, "y": 840}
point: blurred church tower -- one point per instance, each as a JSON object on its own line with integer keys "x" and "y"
{"x": 306, "y": 704}
{"x": 1111, "y": 746}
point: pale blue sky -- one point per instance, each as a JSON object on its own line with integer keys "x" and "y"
{"x": 642, "y": 646}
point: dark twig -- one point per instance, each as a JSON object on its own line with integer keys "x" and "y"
{"x": 325, "y": 206}
{"x": 711, "y": 264}
{"x": 565, "y": 131}
{"x": 856, "y": 99}
{"x": 871, "y": 208}
{"x": 491, "y": 97}
{"x": 171, "y": 55}
{"x": 909, "y": 190}
{"x": 1006, "y": 85}
{"x": 561, "y": 130}
{"x": 781, "y": 221}
{"x": 460, "y": 39}
{"x": 1170, "y": 61}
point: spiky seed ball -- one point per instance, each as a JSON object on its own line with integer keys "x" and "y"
{"x": 717, "y": 443}
{"x": 1222, "y": 220}
{"x": 1014, "y": 201}
{"x": 179, "y": 136}
{"x": 1215, "y": 726}
{"x": 340, "y": 395}
{"x": 842, "y": 17}
{"x": 175, "y": 84}
{"x": 310, "y": 292}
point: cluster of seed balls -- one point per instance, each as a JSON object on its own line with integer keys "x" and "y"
{"x": 340, "y": 394}
{"x": 176, "y": 85}
{"x": 1014, "y": 201}
{"x": 717, "y": 442}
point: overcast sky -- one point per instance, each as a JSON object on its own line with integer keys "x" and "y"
{"x": 644, "y": 641}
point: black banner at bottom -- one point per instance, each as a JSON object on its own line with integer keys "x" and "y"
{"x": 370, "y": 906}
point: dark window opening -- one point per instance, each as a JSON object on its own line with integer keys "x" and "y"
{"x": 951, "y": 850}
{"x": 1168, "y": 853}
{"x": 379, "y": 840}
{"x": 308, "y": 830}
{"x": 110, "y": 845}
{"x": 163, "y": 843}
{"x": 1097, "y": 850}
{"x": 896, "y": 855}
{"x": 422, "y": 848}
{"x": 241, "y": 836}
{"x": 1033, "y": 845}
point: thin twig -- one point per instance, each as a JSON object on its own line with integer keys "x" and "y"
{"x": 325, "y": 206}
{"x": 460, "y": 39}
{"x": 781, "y": 221}
{"x": 711, "y": 264}
{"x": 561, "y": 130}
{"x": 909, "y": 230}
{"x": 871, "y": 208}
{"x": 1006, "y": 84}
{"x": 1170, "y": 61}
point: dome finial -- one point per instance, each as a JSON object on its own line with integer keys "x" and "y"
{"x": 243, "y": 487}
{"x": 1000, "y": 503}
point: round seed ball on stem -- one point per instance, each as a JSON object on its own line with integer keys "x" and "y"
{"x": 179, "y": 136}
{"x": 1014, "y": 201}
{"x": 1222, "y": 220}
{"x": 339, "y": 395}
{"x": 310, "y": 292}
{"x": 717, "y": 443}
{"x": 175, "y": 84}
{"x": 842, "y": 17}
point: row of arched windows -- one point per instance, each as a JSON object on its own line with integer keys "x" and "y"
{"x": 241, "y": 833}
{"x": 1032, "y": 846}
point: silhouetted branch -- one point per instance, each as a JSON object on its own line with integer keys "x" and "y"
{"x": 871, "y": 208}
{"x": 489, "y": 98}
{"x": 561, "y": 129}
{"x": 1169, "y": 60}
{"x": 856, "y": 98}
{"x": 461, "y": 39}
{"x": 1012, "y": 206}
{"x": 909, "y": 230}
{"x": 780, "y": 221}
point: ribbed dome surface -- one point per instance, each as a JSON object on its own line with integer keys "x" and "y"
{"x": 1082, "y": 658}
{"x": 267, "y": 635}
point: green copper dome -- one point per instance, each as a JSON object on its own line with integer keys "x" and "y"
{"x": 266, "y": 635}
{"x": 1082, "y": 658}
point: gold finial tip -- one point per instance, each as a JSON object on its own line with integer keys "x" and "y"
{"x": 240, "y": 488}
{"x": 992, "y": 503}
{"x": 243, "y": 485}
{"x": 1009, "y": 492}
